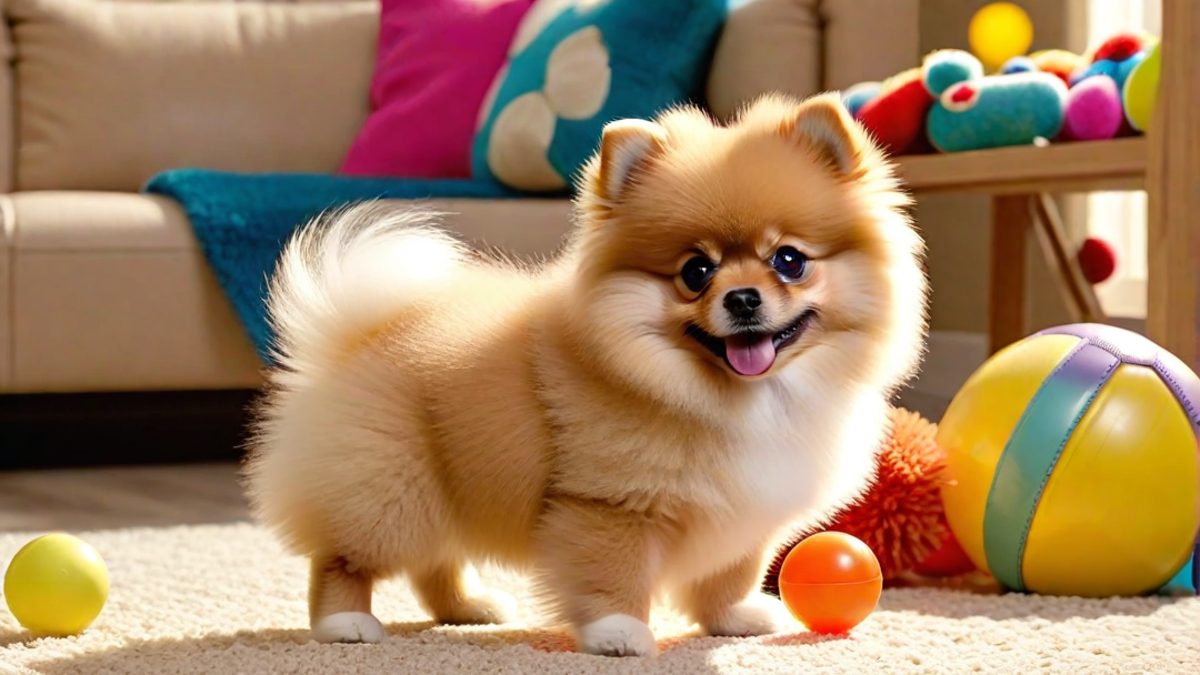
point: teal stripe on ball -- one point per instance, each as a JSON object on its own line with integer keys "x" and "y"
{"x": 1031, "y": 454}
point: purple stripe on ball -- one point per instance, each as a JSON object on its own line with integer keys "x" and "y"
{"x": 1123, "y": 344}
{"x": 1183, "y": 381}
{"x": 1140, "y": 350}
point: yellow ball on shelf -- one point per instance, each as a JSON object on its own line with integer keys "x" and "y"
{"x": 998, "y": 32}
{"x": 56, "y": 585}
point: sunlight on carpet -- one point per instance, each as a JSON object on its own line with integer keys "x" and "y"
{"x": 225, "y": 599}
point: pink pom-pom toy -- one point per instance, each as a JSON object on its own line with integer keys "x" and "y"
{"x": 1093, "y": 110}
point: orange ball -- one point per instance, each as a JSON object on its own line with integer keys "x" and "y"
{"x": 830, "y": 582}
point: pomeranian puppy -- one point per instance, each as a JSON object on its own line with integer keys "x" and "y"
{"x": 706, "y": 363}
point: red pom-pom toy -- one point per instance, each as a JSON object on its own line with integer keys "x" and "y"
{"x": 950, "y": 560}
{"x": 1119, "y": 47}
{"x": 1097, "y": 259}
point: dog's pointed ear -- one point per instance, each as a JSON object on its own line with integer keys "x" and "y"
{"x": 824, "y": 126}
{"x": 626, "y": 146}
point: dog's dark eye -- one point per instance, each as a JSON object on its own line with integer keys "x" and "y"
{"x": 789, "y": 262}
{"x": 696, "y": 273}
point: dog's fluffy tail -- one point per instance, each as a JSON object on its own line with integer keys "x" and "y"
{"x": 349, "y": 272}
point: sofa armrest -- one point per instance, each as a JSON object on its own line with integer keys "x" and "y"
{"x": 868, "y": 40}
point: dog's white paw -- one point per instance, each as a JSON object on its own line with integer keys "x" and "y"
{"x": 348, "y": 627}
{"x": 756, "y": 615}
{"x": 484, "y": 607}
{"x": 617, "y": 635}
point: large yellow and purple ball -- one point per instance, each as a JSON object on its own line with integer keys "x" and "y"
{"x": 1074, "y": 465}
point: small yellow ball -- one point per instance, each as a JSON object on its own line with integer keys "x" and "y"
{"x": 998, "y": 32}
{"x": 56, "y": 585}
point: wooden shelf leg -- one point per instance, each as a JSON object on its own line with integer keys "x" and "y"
{"x": 1078, "y": 293}
{"x": 1011, "y": 222}
{"x": 1173, "y": 187}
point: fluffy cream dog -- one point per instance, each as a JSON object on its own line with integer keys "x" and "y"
{"x": 707, "y": 361}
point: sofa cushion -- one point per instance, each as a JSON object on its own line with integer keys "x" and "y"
{"x": 108, "y": 292}
{"x": 767, "y": 45}
{"x": 574, "y": 66}
{"x": 436, "y": 61}
{"x": 802, "y": 47}
{"x": 110, "y": 93}
{"x": 111, "y": 292}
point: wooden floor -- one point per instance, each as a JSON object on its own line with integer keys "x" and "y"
{"x": 109, "y": 498}
{"x": 176, "y": 494}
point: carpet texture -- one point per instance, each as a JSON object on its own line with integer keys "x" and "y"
{"x": 225, "y": 600}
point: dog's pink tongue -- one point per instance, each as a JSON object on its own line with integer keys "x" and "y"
{"x": 750, "y": 355}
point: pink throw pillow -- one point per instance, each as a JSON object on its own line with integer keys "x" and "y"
{"x": 436, "y": 61}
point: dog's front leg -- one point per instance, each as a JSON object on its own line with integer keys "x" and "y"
{"x": 729, "y": 602}
{"x": 598, "y": 564}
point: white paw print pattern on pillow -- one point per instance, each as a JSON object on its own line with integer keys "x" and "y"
{"x": 577, "y": 83}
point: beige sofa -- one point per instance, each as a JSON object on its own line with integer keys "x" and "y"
{"x": 103, "y": 289}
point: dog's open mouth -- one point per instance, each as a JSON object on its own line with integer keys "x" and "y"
{"x": 752, "y": 353}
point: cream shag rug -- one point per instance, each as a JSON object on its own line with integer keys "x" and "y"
{"x": 224, "y": 599}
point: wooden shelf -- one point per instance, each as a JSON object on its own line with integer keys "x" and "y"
{"x": 1118, "y": 164}
{"x": 1165, "y": 163}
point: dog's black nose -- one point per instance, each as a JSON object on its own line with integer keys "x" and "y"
{"x": 743, "y": 302}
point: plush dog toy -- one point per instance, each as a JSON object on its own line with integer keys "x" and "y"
{"x": 896, "y": 111}
{"x": 974, "y": 113}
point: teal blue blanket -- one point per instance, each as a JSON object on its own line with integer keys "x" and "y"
{"x": 243, "y": 220}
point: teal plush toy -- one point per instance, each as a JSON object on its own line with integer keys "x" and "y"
{"x": 974, "y": 113}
